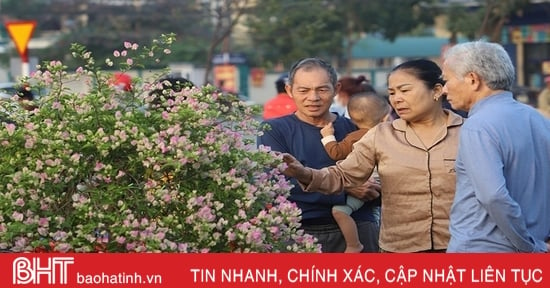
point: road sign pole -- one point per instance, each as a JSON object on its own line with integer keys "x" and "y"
{"x": 25, "y": 69}
{"x": 21, "y": 32}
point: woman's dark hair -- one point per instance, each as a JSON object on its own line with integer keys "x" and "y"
{"x": 354, "y": 85}
{"x": 430, "y": 73}
{"x": 425, "y": 70}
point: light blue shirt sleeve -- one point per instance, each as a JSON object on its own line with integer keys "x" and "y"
{"x": 484, "y": 157}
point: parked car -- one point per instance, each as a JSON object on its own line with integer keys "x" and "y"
{"x": 26, "y": 96}
{"x": 7, "y": 90}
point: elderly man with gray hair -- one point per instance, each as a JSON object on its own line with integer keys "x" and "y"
{"x": 502, "y": 199}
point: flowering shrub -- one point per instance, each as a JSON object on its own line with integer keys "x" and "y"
{"x": 117, "y": 171}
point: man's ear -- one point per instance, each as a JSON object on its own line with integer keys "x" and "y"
{"x": 473, "y": 80}
{"x": 337, "y": 88}
{"x": 288, "y": 90}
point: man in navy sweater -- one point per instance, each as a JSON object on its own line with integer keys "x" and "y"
{"x": 313, "y": 85}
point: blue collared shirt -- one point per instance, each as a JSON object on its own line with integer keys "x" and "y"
{"x": 502, "y": 199}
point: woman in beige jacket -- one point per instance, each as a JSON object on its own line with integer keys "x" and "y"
{"x": 415, "y": 156}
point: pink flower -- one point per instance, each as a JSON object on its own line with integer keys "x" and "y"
{"x": 182, "y": 247}
{"x": 10, "y": 127}
{"x": 144, "y": 222}
{"x": 160, "y": 235}
{"x": 231, "y": 236}
{"x": 63, "y": 247}
{"x": 130, "y": 246}
{"x": 98, "y": 166}
{"x": 42, "y": 231}
{"x": 43, "y": 221}
{"x": 19, "y": 202}
{"x": 274, "y": 230}
{"x": 17, "y": 216}
{"x": 29, "y": 126}
{"x": 256, "y": 235}
{"x": 75, "y": 157}
{"x": 120, "y": 174}
{"x": 29, "y": 143}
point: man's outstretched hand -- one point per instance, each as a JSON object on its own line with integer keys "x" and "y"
{"x": 296, "y": 170}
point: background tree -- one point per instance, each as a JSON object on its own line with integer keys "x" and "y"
{"x": 284, "y": 31}
{"x": 495, "y": 14}
{"x": 225, "y": 15}
{"x": 103, "y": 28}
{"x": 388, "y": 18}
{"x": 462, "y": 21}
{"x": 281, "y": 31}
{"x": 485, "y": 20}
{"x": 288, "y": 30}
{"x": 203, "y": 28}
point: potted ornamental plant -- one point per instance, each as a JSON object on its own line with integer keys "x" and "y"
{"x": 129, "y": 170}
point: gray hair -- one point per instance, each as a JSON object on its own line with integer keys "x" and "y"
{"x": 489, "y": 60}
{"x": 310, "y": 63}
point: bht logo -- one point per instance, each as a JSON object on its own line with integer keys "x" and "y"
{"x": 27, "y": 271}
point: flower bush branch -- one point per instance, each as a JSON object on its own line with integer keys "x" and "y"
{"x": 120, "y": 171}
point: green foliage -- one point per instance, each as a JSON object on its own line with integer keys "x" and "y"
{"x": 284, "y": 31}
{"x": 484, "y": 20}
{"x": 465, "y": 21}
{"x": 281, "y": 31}
{"x": 288, "y": 30}
{"x": 392, "y": 18}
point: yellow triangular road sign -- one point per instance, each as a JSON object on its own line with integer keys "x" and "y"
{"x": 21, "y": 32}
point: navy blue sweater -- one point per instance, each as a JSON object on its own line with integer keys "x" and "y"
{"x": 290, "y": 135}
